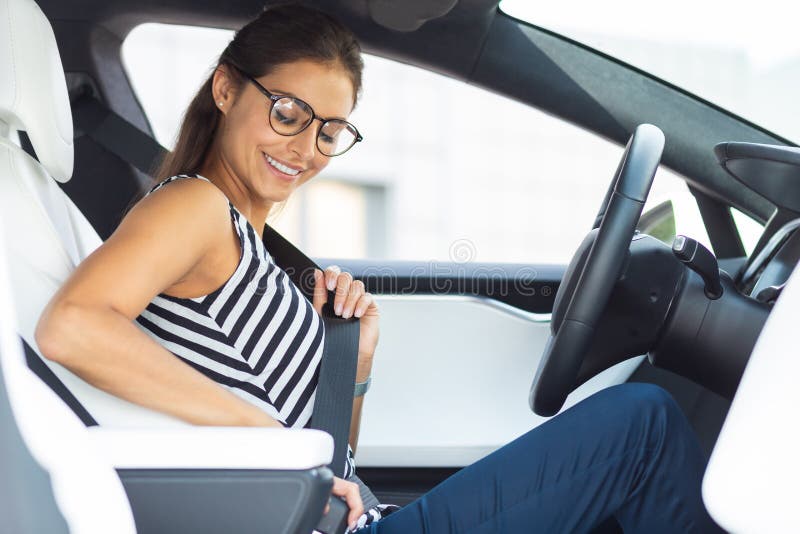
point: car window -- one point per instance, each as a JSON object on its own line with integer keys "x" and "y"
{"x": 749, "y": 229}
{"x": 672, "y": 210}
{"x": 446, "y": 171}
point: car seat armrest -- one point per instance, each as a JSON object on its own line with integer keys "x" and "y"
{"x": 213, "y": 448}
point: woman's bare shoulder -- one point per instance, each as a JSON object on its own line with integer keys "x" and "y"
{"x": 158, "y": 243}
{"x": 184, "y": 193}
{"x": 190, "y": 213}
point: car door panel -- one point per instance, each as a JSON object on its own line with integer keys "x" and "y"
{"x": 452, "y": 372}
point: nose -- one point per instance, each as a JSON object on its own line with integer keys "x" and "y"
{"x": 304, "y": 144}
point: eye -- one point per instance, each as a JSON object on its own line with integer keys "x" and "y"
{"x": 282, "y": 118}
{"x": 325, "y": 138}
{"x": 333, "y": 131}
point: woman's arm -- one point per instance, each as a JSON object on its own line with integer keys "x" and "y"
{"x": 103, "y": 347}
{"x": 363, "y": 371}
{"x": 88, "y": 324}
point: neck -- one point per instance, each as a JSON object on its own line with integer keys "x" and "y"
{"x": 221, "y": 175}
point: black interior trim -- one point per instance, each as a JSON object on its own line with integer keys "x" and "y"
{"x": 103, "y": 126}
{"x": 528, "y": 287}
{"x": 103, "y": 186}
{"x": 403, "y": 485}
{"x": 210, "y": 501}
{"x": 772, "y": 171}
{"x": 47, "y": 376}
{"x": 720, "y": 226}
{"x": 775, "y": 223}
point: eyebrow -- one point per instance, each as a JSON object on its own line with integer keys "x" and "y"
{"x": 283, "y": 93}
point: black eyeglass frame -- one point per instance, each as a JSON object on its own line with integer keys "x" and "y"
{"x": 274, "y": 98}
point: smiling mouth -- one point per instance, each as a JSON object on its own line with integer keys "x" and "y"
{"x": 285, "y": 169}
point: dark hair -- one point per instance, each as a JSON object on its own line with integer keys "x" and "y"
{"x": 280, "y": 34}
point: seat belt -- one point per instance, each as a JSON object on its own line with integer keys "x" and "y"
{"x": 92, "y": 118}
{"x": 47, "y": 376}
{"x": 333, "y": 404}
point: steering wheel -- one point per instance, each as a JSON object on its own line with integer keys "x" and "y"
{"x": 594, "y": 270}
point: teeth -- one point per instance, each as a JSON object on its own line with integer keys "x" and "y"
{"x": 281, "y": 167}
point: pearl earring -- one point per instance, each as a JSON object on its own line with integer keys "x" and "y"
{"x": 220, "y": 104}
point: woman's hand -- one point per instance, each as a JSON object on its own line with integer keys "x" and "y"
{"x": 349, "y": 492}
{"x": 351, "y": 300}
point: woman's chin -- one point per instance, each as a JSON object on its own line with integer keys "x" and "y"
{"x": 271, "y": 190}
{"x": 278, "y": 196}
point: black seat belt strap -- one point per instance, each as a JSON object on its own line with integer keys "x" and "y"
{"x": 92, "y": 118}
{"x": 333, "y": 405}
{"x": 47, "y": 376}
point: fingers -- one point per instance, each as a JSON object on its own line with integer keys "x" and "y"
{"x": 320, "y": 295}
{"x": 349, "y": 492}
{"x": 366, "y": 302}
{"x": 350, "y": 299}
{"x": 356, "y": 292}
{"x": 343, "y": 282}
{"x": 331, "y": 273}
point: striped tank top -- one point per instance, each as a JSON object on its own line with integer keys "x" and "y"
{"x": 257, "y": 334}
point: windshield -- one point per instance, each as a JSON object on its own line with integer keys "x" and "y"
{"x": 746, "y": 60}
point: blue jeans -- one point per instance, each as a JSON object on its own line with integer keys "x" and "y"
{"x": 626, "y": 451}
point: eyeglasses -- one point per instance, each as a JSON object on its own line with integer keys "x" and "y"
{"x": 290, "y": 116}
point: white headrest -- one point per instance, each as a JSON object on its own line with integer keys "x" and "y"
{"x": 33, "y": 91}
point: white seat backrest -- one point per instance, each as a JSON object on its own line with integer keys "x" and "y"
{"x": 36, "y": 214}
{"x": 46, "y": 235}
{"x": 87, "y": 489}
{"x": 752, "y": 482}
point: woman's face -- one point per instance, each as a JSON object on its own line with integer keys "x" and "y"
{"x": 250, "y": 148}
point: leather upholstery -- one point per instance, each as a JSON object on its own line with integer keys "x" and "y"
{"x": 33, "y": 91}
{"x": 86, "y": 488}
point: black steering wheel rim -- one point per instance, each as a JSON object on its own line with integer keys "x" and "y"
{"x": 589, "y": 280}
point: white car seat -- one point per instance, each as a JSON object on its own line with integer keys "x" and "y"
{"x": 86, "y": 487}
{"x": 751, "y": 483}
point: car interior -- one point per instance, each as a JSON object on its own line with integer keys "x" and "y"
{"x": 712, "y": 326}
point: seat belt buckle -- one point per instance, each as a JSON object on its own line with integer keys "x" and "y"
{"x": 335, "y": 521}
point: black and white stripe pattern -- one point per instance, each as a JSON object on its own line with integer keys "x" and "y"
{"x": 257, "y": 335}
{"x": 373, "y": 515}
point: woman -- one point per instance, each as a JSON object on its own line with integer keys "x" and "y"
{"x": 186, "y": 275}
